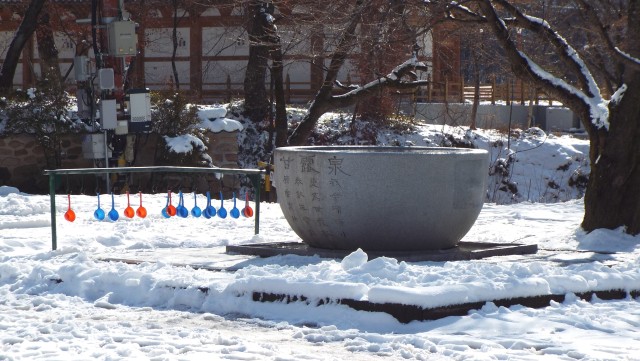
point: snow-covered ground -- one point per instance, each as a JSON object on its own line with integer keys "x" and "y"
{"x": 71, "y": 304}
{"x": 117, "y": 311}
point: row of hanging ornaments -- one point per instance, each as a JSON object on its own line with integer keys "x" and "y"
{"x": 169, "y": 210}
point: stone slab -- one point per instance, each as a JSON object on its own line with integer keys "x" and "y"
{"x": 464, "y": 251}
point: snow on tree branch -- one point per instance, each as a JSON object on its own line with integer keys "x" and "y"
{"x": 571, "y": 53}
{"x": 602, "y": 30}
{"x": 628, "y": 57}
{"x": 456, "y": 8}
{"x": 617, "y": 96}
{"x": 598, "y": 107}
{"x": 587, "y": 93}
{"x": 392, "y": 80}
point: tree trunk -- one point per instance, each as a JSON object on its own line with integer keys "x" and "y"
{"x": 476, "y": 89}
{"x": 281, "y": 124}
{"x": 320, "y": 103}
{"x": 49, "y": 63}
{"x": 256, "y": 100}
{"x": 612, "y": 198}
{"x": 174, "y": 40}
{"x": 24, "y": 32}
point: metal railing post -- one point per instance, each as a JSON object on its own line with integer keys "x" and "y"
{"x": 255, "y": 180}
{"x": 52, "y": 203}
{"x": 253, "y": 174}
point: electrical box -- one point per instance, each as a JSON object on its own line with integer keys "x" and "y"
{"x": 93, "y": 147}
{"x": 123, "y": 40}
{"x": 139, "y": 110}
{"x": 81, "y": 68}
{"x": 108, "y": 114}
{"x": 106, "y": 79}
{"x": 83, "y": 100}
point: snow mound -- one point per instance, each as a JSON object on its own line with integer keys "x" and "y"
{"x": 214, "y": 119}
{"x": 6, "y": 190}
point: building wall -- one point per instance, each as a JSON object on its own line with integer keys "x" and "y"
{"x": 211, "y": 56}
{"x": 493, "y": 116}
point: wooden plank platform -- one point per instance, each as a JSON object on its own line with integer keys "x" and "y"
{"x": 463, "y": 252}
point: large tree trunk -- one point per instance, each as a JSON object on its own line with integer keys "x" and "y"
{"x": 612, "y": 199}
{"x": 256, "y": 101}
{"x": 26, "y": 29}
{"x": 49, "y": 62}
{"x": 281, "y": 123}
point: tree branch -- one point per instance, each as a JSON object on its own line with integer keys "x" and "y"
{"x": 319, "y": 105}
{"x": 565, "y": 51}
{"x": 393, "y": 80}
{"x": 587, "y": 107}
{"x": 614, "y": 51}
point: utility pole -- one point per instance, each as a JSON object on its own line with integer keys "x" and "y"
{"x": 120, "y": 114}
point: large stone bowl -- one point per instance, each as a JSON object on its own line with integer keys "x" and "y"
{"x": 380, "y": 198}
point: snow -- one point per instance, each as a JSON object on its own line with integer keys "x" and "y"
{"x": 543, "y": 167}
{"x": 627, "y": 56}
{"x": 619, "y": 93}
{"x": 213, "y": 119}
{"x": 184, "y": 143}
{"x": 78, "y": 302}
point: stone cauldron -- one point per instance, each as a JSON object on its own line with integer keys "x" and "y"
{"x": 381, "y": 198}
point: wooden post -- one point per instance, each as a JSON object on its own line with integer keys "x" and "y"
{"x": 429, "y": 88}
{"x": 493, "y": 90}
{"x": 508, "y": 97}
{"x": 522, "y": 92}
{"x": 461, "y": 90}
{"x": 229, "y": 91}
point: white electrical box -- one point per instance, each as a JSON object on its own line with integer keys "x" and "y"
{"x": 108, "y": 114}
{"x": 93, "y": 147}
{"x": 123, "y": 40}
{"x": 106, "y": 79}
{"x": 81, "y": 68}
{"x": 139, "y": 110}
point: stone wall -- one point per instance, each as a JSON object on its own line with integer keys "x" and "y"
{"x": 494, "y": 116}
{"x": 22, "y": 161}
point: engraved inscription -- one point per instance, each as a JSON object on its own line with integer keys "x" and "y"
{"x": 307, "y": 164}
{"x": 335, "y": 165}
{"x": 287, "y": 162}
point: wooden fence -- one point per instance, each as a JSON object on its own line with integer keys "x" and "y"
{"x": 510, "y": 91}
{"x": 514, "y": 91}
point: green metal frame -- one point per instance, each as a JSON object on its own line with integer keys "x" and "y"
{"x": 254, "y": 175}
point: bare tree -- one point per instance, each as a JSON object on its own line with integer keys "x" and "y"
{"x": 350, "y": 38}
{"x": 596, "y": 55}
{"x": 22, "y": 35}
